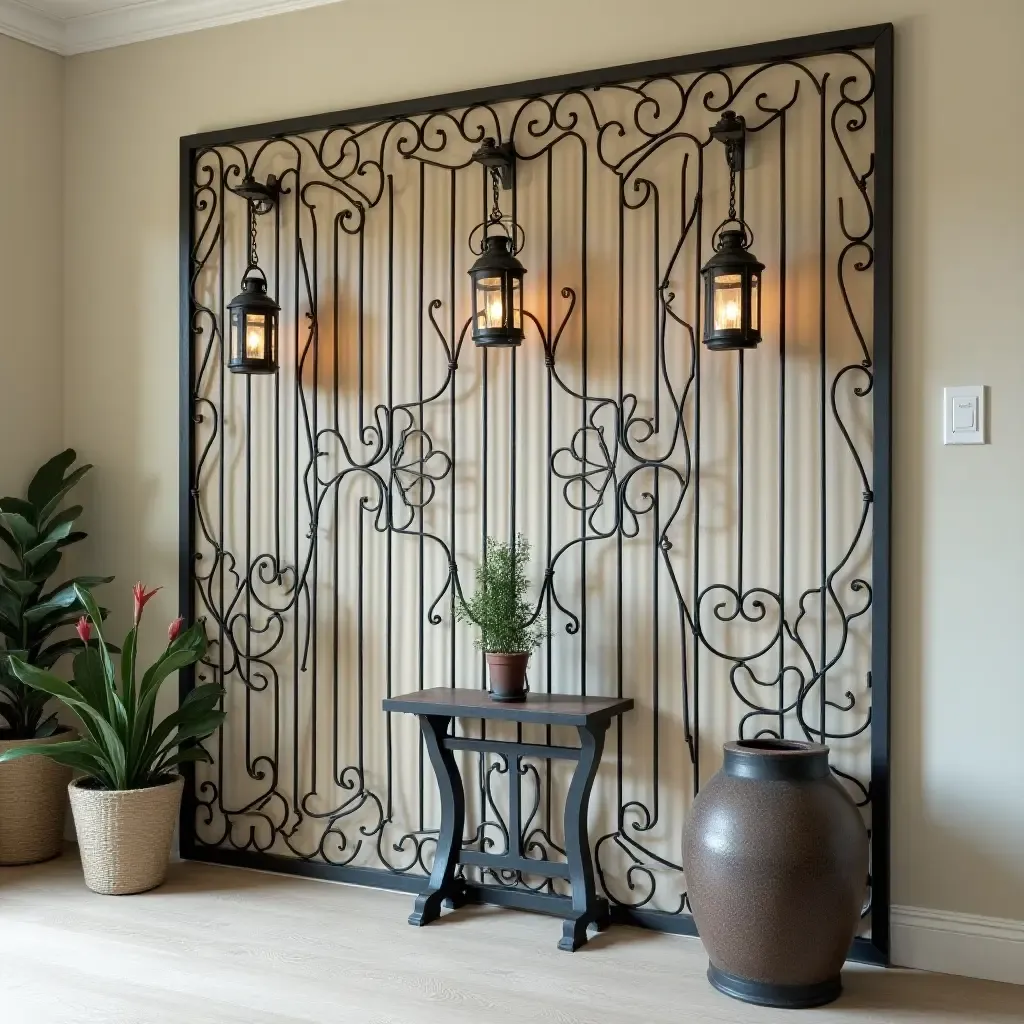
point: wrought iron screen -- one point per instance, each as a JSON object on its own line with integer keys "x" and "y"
{"x": 710, "y": 529}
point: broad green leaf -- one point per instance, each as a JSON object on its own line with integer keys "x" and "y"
{"x": 46, "y": 567}
{"x": 10, "y": 607}
{"x": 47, "y": 728}
{"x": 88, "y": 671}
{"x": 67, "y": 516}
{"x": 72, "y": 538}
{"x": 128, "y": 675}
{"x": 186, "y": 650}
{"x": 83, "y": 755}
{"x": 102, "y": 731}
{"x": 188, "y": 754}
{"x": 33, "y": 556}
{"x": 8, "y": 539}
{"x": 49, "y": 477}
{"x": 49, "y": 656}
{"x": 19, "y": 507}
{"x": 20, "y": 528}
{"x": 96, "y": 615}
{"x": 60, "y": 601}
{"x": 10, "y": 713}
{"x": 88, "y": 582}
{"x": 51, "y": 506}
{"x": 200, "y": 700}
{"x": 23, "y": 588}
{"x": 194, "y": 727}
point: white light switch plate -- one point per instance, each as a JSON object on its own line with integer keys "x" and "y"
{"x": 963, "y": 415}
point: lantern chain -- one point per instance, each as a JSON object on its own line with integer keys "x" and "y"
{"x": 495, "y": 184}
{"x": 732, "y": 185}
{"x": 253, "y": 258}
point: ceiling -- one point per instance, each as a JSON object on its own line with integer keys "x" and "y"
{"x": 77, "y": 26}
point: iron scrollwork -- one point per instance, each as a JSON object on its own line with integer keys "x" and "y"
{"x": 637, "y": 471}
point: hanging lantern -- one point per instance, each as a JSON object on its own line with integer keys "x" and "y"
{"x": 732, "y": 294}
{"x": 497, "y": 295}
{"x": 253, "y": 318}
{"x": 497, "y": 274}
{"x": 253, "y": 314}
{"x": 732, "y": 277}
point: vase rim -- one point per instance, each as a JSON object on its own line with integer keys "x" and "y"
{"x": 777, "y": 748}
{"x": 776, "y": 760}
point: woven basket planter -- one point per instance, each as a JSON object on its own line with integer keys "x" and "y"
{"x": 124, "y": 835}
{"x": 33, "y": 802}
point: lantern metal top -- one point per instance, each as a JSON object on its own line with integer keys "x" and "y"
{"x": 497, "y": 257}
{"x": 732, "y": 252}
{"x": 253, "y": 297}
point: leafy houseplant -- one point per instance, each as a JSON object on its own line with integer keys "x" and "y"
{"x": 127, "y": 802}
{"x": 34, "y": 532}
{"x": 509, "y": 627}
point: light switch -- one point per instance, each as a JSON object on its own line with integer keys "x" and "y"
{"x": 963, "y": 415}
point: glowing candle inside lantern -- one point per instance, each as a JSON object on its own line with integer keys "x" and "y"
{"x": 255, "y": 336}
{"x": 728, "y": 303}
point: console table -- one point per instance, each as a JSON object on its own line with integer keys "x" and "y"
{"x": 590, "y": 716}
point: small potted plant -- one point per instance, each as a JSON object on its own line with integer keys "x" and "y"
{"x": 509, "y": 627}
{"x": 126, "y": 802}
{"x": 35, "y": 530}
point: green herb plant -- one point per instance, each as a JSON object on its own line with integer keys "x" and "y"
{"x": 499, "y": 607}
{"x": 35, "y": 530}
{"x": 122, "y": 748}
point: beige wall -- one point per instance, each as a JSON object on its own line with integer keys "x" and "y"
{"x": 958, "y": 686}
{"x": 31, "y": 265}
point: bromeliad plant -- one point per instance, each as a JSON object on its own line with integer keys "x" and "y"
{"x": 123, "y": 748}
{"x": 36, "y": 531}
{"x": 499, "y": 607}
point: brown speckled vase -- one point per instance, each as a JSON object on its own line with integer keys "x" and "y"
{"x": 776, "y": 861}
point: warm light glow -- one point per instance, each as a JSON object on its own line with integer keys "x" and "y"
{"x": 728, "y": 303}
{"x": 489, "y": 303}
{"x": 254, "y": 338}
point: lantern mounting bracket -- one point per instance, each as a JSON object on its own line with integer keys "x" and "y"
{"x": 262, "y": 197}
{"x": 499, "y": 156}
{"x": 731, "y": 131}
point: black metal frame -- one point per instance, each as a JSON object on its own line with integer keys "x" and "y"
{"x": 878, "y": 38}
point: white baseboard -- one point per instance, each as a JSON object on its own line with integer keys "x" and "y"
{"x": 978, "y": 947}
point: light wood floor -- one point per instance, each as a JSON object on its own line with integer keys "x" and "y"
{"x": 218, "y": 946}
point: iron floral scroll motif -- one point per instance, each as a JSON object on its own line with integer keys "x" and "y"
{"x": 635, "y": 469}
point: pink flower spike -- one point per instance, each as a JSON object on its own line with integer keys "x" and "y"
{"x": 174, "y": 629}
{"x": 142, "y": 597}
{"x": 84, "y": 629}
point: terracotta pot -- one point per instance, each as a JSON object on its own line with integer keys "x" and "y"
{"x": 776, "y": 861}
{"x": 124, "y": 835}
{"x": 508, "y": 676}
{"x": 33, "y": 803}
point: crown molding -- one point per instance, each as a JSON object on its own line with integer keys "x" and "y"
{"x": 146, "y": 19}
{"x": 31, "y": 26}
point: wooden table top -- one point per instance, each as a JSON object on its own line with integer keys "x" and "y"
{"x": 538, "y": 708}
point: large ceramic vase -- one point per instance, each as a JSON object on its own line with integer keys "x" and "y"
{"x": 776, "y": 861}
{"x": 124, "y": 836}
{"x": 33, "y": 803}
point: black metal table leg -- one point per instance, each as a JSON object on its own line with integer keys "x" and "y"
{"x": 443, "y": 887}
{"x": 587, "y": 907}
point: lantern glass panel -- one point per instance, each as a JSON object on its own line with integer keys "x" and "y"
{"x": 517, "y": 303}
{"x": 755, "y": 302}
{"x": 490, "y": 307}
{"x": 255, "y": 336}
{"x": 728, "y": 291}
